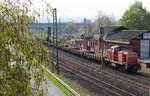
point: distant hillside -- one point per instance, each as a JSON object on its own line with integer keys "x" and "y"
{"x": 46, "y": 25}
{"x": 41, "y": 28}
{"x": 66, "y": 19}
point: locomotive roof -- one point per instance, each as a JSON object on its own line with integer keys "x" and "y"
{"x": 125, "y": 36}
{"x": 115, "y": 46}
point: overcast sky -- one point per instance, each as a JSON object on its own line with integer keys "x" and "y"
{"x": 89, "y": 8}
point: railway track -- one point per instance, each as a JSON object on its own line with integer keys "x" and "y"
{"x": 122, "y": 83}
{"x": 85, "y": 68}
{"x": 134, "y": 77}
{"x": 106, "y": 86}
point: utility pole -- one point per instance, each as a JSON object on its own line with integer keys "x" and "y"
{"x": 53, "y": 49}
{"x": 55, "y": 40}
{"x": 57, "y": 63}
{"x": 85, "y": 30}
{"x": 101, "y": 45}
{"x": 53, "y": 43}
{"x": 85, "y": 26}
{"x": 59, "y": 26}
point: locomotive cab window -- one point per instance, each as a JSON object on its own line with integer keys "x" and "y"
{"x": 117, "y": 49}
{"x": 124, "y": 49}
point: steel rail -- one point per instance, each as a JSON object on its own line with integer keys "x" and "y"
{"x": 77, "y": 72}
{"x": 132, "y": 83}
{"x": 117, "y": 77}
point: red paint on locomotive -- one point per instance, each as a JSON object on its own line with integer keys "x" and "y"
{"x": 117, "y": 53}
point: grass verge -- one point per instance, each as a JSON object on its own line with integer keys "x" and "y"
{"x": 59, "y": 85}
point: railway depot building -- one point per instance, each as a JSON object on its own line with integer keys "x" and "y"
{"x": 135, "y": 40}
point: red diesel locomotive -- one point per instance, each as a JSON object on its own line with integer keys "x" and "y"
{"x": 122, "y": 59}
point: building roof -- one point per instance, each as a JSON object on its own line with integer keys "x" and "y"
{"x": 108, "y": 30}
{"x": 125, "y": 36}
{"x": 118, "y": 34}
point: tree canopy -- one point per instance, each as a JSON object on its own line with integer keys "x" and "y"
{"x": 19, "y": 52}
{"x": 70, "y": 27}
{"x": 77, "y": 36}
{"x": 136, "y": 17}
{"x": 103, "y": 20}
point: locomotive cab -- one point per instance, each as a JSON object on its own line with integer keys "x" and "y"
{"x": 114, "y": 52}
